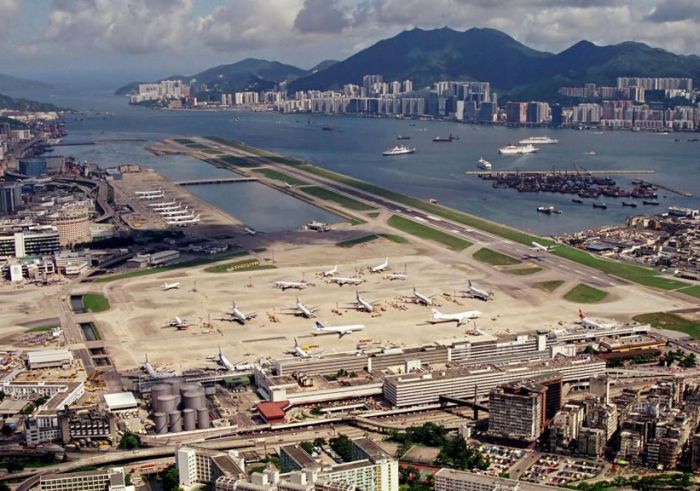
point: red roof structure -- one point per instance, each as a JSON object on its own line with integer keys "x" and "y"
{"x": 272, "y": 412}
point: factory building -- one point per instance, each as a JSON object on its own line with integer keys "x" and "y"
{"x": 179, "y": 407}
{"x": 49, "y": 358}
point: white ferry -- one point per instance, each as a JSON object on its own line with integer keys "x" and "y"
{"x": 484, "y": 164}
{"x": 517, "y": 149}
{"x": 398, "y": 150}
{"x": 538, "y": 140}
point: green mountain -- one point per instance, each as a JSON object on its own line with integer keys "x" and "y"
{"x": 9, "y": 83}
{"x": 426, "y": 56}
{"x": 248, "y": 74}
{"x": 7, "y": 102}
{"x": 322, "y": 66}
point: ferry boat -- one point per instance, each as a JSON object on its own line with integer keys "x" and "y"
{"x": 538, "y": 140}
{"x": 445, "y": 139}
{"x": 484, "y": 164}
{"x": 403, "y": 137}
{"x": 398, "y": 150}
{"x": 600, "y": 205}
{"x": 517, "y": 149}
{"x": 629, "y": 203}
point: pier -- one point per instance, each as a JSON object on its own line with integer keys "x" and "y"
{"x": 611, "y": 172}
{"x": 669, "y": 189}
{"x": 222, "y": 180}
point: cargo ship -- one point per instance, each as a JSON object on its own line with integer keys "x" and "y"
{"x": 445, "y": 139}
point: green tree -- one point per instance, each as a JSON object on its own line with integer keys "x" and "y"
{"x": 307, "y": 446}
{"x": 319, "y": 442}
{"x": 689, "y": 361}
{"x": 342, "y": 446}
{"x": 170, "y": 478}
{"x": 130, "y": 441}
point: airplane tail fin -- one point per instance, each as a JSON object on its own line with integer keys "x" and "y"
{"x": 469, "y": 283}
{"x": 581, "y": 314}
{"x": 296, "y": 343}
{"x": 319, "y": 326}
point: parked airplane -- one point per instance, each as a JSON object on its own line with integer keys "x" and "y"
{"x": 251, "y": 231}
{"x": 302, "y": 310}
{"x": 340, "y": 280}
{"x": 458, "y": 317}
{"x": 380, "y": 267}
{"x": 183, "y": 221}
{"x": 421, "y": 299}
{"x": 146, "y": 193}
{"x": 541, "y": 247}
{"x": 148, "y": 368}
{"x": 286, "y": 285}
{"x": 397, "y": 276}
{"x": 235, "y": 315}
{"x": 362, "y": 304}
{"x": 331, "y": 271}
{"x": 475, "y": 292}
{"x": 299, "y": 351}
{"x": 170, "y": 286}
{"x": 340, "y": 330}
{"x": 233, "y": 367}
{"x": 162, "y": 204}
{"x": 181, "y": 324}
{"x": 589, "y": 323}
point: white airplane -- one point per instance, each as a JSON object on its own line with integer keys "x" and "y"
{"x": 542, "y": 247}
{"x": 148, "y": 368}
{"x": 421, "y": 299}
{"x": 233, "y": 367}
{"x": 299, "y": 351}
{"x": 397, "y": 276}
{"x": 162, "y": 204}
{"x": 475, "y": 292}
{"x": 235, "y": 315}
{"x": 181, "y": 324}
{"x": 286, "y": 285}
{"x": 340, "y": 280}
{"x": 536, "y": 257}
{"x": 183, "y": 221}
{"x": 146, "y": 193}
{"x": 340, "y": 330}
{"x": 250, "y": 231}
{"x": 149, "y": 197}
{"x": 331, "y": 272}
{"x": 302, "y": 310}
{"x": 589, "y": 323}
{"x": 170, "y": 286}
{"x": 362, "y": 304}
{"x": 458, "y": 317}
{"x": 380, "y": 267}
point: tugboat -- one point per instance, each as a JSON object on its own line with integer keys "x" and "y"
{"x": 600, "y": 205}
{"x": 629, "y": 203}
{"x": 577, "y": 200}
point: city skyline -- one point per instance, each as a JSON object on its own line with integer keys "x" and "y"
{"x": 126, "y": 40}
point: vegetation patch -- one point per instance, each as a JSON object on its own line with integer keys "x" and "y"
{"x": 489, "y": 256}
{"x": 280, "y": 176}
{"x": 42, "y": 328}
{"x": 373, "y": 214}
{"x": 524, "y": 271}
{"x": 399, "y": 239}
{"x": 345, "y": 201}
{"x": 549, "y": 286}
{"x": 95, "y": 302}
{"x": 357, "y": 241}
{"x": 674, "y": 322}
{"x": 692, "y": 291}
{"x": 237, "y": 161}
{"x": 425, "y": 232}
{"x": 585, "y": 294}
{"x": 251, "y": 264}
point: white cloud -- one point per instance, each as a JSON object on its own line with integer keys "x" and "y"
{"x": 9, "y": 10}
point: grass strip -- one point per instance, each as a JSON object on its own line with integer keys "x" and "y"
{"x": 425, "y": 232}
{"x": 360, "y": 240}
{"x": 585, "y": 294}
{"x": 489, "y": 256}
{"x": 674, "y": 322}
{"x": 280, "y": 176}
{"x": 95, "y": 302}
{"x": 249, "y": 264}
{"x": 398, "y": 239}
{"x": 549, "y": 286}
{"x": 345, "y": 201}
{"x": 42, "y": 328}
{"x": 524, "y": 271}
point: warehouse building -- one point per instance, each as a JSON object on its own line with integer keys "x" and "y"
{"x": 49, "y": 358}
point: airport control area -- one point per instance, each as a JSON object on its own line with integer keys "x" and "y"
{"x": 216, "y": 346}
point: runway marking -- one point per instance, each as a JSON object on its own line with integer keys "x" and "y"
{"x": 420, "y": 219}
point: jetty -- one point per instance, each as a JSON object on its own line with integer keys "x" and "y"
{"x": 518, "y": 172}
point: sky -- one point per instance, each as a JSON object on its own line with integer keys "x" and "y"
{"x": 116, "y": 41}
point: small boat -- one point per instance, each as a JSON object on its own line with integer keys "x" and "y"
{"x": 445, "y": 139}
{"x": 601, "y": 206}
{"x": 650, "y": 202}
{"x": 548, "y": 210}
{"x": 328, "y": 128}
{"x": 398, "y": 150}
{"x": 482, "y": 163}
{"x": 577, "y": 200}
{"x": 629, "y": 203}
{"x": 403, "y": 137}
{"x": 433, "y": 201}
{"x": 590, "y": 153}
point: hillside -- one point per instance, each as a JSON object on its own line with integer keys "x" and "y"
{"x": 426, "y": 56}
{"x": 10, "y": 83}
{"x": 248, "y": 74}
{"x": 7, "y": 102}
